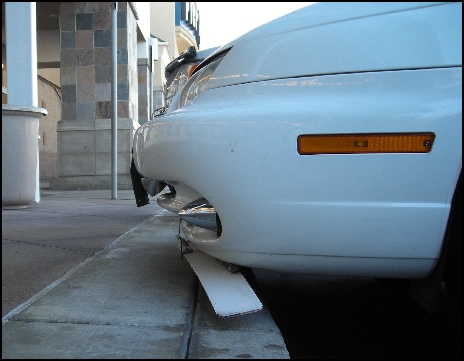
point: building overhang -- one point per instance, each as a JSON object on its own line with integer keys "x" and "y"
{"x": 184, "y": 39}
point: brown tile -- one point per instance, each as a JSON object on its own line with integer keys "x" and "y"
{"x": 68, "y": 7}
{"x": 143, "y": 111}
{"x": 102, "y": 56}
{"x": 68, "y": 111}
{"x": 85, "y": 92}
{"x": 142, "y": 78}
{"x": 122, "y": 6}
{"x": 101, "y": 7}
{"x": 123, "y": 108}
{"x": 84, "y": 57}
{"x": 102, "y": 20}
{"x": 122, "y": 73}
{"x": 84, "y": 39}
{"x": 103, "y": 110}
{"x": 122, "y": 37}
{"x": 86, "y": 74}
{"x": 68, "y": 57}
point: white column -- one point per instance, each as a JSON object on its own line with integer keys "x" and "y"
{"x": 21, "y": 58}
{"x": 21, "y": 53}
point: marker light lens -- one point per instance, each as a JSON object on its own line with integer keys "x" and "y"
{"x": 365, "y": 143}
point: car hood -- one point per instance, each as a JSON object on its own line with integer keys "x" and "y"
{"x": 332, "y": 38}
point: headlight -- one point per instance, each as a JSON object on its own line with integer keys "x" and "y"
{"x": 197, "y": 83}
{"x": 176, "y": 81}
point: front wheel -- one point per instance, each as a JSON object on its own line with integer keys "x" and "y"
{"x": 452, "y": 274}
{"x": 426, "y": 291}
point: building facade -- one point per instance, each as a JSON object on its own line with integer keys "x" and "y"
{"x": 74, "y": 71}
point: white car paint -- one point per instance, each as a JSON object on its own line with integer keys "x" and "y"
{"x": 328, "y": 68}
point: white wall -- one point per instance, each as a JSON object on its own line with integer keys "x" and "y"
{"x": 164, "y": 58}
{"x": 143, "y": 11}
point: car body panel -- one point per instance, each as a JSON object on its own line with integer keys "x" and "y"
{"x": 369, "y": 215}
{"x": 328, "y": 38}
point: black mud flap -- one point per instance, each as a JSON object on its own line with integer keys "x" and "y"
{"x": 140, "y": 193}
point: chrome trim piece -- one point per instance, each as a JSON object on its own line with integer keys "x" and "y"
{"x": 153, "y": 186}
{"x": 199, "y": 213}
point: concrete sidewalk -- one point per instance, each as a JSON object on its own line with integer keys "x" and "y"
{"x": 135, "y": 298}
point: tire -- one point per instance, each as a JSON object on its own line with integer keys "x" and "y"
{"x": 452, "y": 274}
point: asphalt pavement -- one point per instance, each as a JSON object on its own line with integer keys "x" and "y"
{"x": 88, "y": 276}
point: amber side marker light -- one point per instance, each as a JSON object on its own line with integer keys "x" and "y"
{"x": 365, "y": 143}
{"x": 194, "y": 66}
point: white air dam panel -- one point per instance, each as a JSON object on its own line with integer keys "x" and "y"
{"x": 229, "y": 293}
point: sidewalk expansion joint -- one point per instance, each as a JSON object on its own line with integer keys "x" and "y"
{"x": 47, "y": 245}
{"x": 184, "y": 351}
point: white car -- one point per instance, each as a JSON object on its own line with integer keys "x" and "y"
{"x": 326, "y": 142}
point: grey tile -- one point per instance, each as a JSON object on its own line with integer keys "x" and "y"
{"x": 67, "y": 22}
{"x": 85, "y": 110}
{"x": 86, "y": 92}
{"x": 68, "y": 39}
{"x": 102, "y": 73}
{"x": 142, "y": 87}
{"x": 68, "y": 57}
{"x": 68, "y": 93}
{"x": 84, "y": 21}
{"x": 123, "y": 91}
{"x": 102, "y": 38}
{"x": 68, "y": 111}
{"x": 84, "y": 7}
{"x": 68, "y": 75}
{"x": 122, "y": 55}
{"x": 103, "y": 91}
{"x": 122, "y": 20}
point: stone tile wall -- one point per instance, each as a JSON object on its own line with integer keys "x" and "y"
{"x": 84, "y": 132}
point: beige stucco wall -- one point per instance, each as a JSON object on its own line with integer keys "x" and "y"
{"x": 49, "y": 98}
{"x": 48, "y": 46}
{"x": 163, "y": 23}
